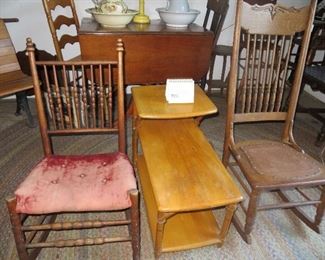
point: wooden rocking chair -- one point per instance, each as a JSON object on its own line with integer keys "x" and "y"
{"x": 255, "y": 95}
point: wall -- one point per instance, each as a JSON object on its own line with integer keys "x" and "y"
{"x": 33, "y": 23}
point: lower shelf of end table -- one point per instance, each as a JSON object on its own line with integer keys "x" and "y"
{"x": 185, "y": 230}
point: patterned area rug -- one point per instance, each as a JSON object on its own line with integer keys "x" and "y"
{"x": 278, "y": 234}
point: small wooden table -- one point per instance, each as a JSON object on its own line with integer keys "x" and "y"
{"x": 181, "y": 176}
{"x": 153, "y": 52}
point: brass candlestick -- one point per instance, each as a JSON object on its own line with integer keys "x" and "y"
{"x": 141, "y": 17}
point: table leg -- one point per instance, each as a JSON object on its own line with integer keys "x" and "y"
{"x": 135, "y": 138}
{"x": 161, "y": 221}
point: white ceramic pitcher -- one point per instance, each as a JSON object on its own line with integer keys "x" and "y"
{"x": 179, "y": 6}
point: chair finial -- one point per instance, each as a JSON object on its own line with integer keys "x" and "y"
{"x": 29, "y": 45}
{"x": 120, "y": 45}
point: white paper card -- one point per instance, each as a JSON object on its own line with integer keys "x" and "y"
{"x": 179, "y": 91}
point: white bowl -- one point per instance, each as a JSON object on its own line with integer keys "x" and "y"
{"x": 177, "y": 19}
{"x": 112, "y": 19}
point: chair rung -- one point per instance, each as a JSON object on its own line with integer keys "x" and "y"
{"x": 75, "y": 225}
{"x": 79, "y": 242}
{"x": 243, "y": 207}
{"x": 288, "y": 205}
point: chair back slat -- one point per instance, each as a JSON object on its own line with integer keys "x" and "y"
{"x": 63, "y": 20}
{"x": 67, "y": 39}
{"x": 8, "y": 59}
{"x": 80, "y": 97}
{"x": 52, "y": 4}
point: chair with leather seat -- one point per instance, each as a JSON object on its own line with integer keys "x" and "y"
{"x": 216, "y": 11}
{"x": 57, "y": 22}
{"x": 255, "y": 95}
{"x": 79, "y": 184}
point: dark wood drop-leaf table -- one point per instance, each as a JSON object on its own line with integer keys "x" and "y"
{"x": 153, "y": 52}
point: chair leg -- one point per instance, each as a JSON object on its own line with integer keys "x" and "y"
{"x": 22, "y": 104}
{"x": 20, "y": 239}
{"x": 313, "y": 224}
{"x": 251, "y": 211}
{"x": 223, "y": 72}
{"x": 135, "y": 224}
{"x": 320, "y": 136}
{"x": 320, "y": 209}
{"x": 240, "y": 228}
{"x": 43, "y": 237}
{"x": 203, "y": 82}
{"x": 17, "y": 230}
{"x": 213, "y": 58}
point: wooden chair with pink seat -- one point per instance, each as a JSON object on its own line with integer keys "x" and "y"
{"x": 60, "y": 184}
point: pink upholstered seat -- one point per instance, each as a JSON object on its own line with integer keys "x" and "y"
{"x": 77, "y": 183}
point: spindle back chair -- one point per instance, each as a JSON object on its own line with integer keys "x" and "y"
{"x": 59, "y": 184}
{"x": 255, "y": 95}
